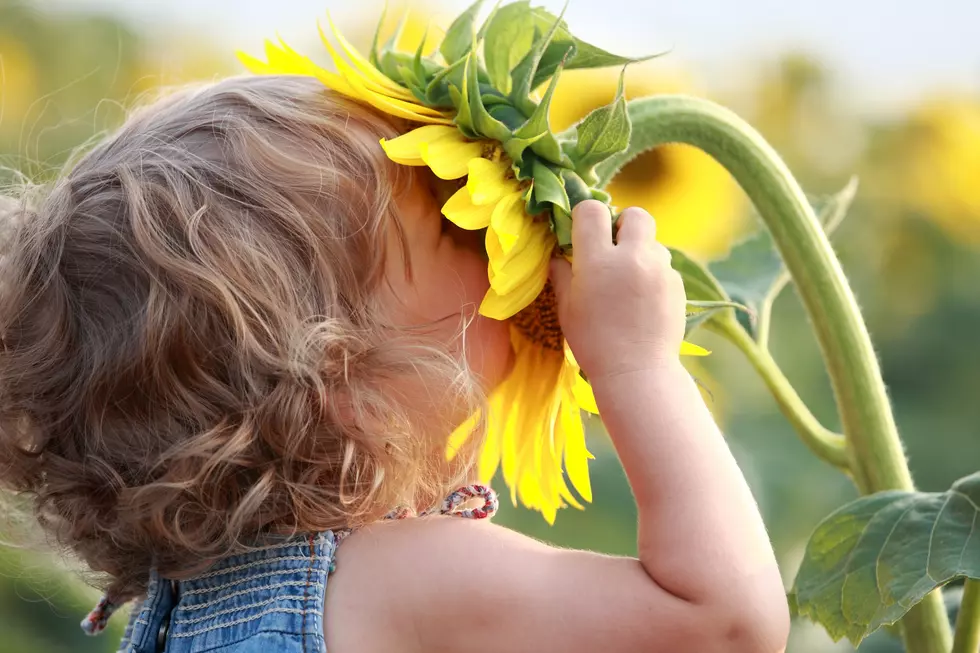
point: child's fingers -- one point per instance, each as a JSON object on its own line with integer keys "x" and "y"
{"x": 635, "y": 226}
{"x": 591, "y": 229}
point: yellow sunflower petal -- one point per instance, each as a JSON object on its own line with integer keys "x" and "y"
{"x": 329, "y": 79}
{"x": 406, "y": 149}
{"x": 509, "y": 272}
{"x": 500, "y": 307}
{"x": 584, "y": 396}
{"x": 488, "y": 181}
{"x": 493, "y": 443}
{"x": 690, "y": 349}
{"x": 464, "y": 214}
{"x": 365, "y": 66}
{"x": 378, "y": 97}
{"x": 577, "y": 455}
{"x": 552, "y": 461}
{"x": 254, "y": 64}
{"x": 279, "y": 60}
{"x": 461, "y": 434}
{"x": 510, "y": 221}
{"x": 449, "y": 158}
{"x": 533, "y": 381}
{"x": 368, "y": 77}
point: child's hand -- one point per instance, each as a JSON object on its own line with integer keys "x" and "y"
{"x": 621, "y": 305}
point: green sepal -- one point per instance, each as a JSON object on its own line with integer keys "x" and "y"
{"x": 548, "y": 188}
{"x": 508, "y": 115}
{"x": 393, "y": 64}
{"x": 584, "y": 55}
{"x": 388, "y": 58}
{"x": 509, "y": 37}
{"x": 464, "y": 117}
{"x": 525, "y": 71}
{"x": 490, "y": 99}
{"x": 537, "y": 130}
{"x": 524, "y": 166}
{"x": 516, "y": 147}
{"x": 437, "y": 91}
{"x": 484, "y": 124}
{"x": 575, "y": 188}
{"x": 601, "y": 134}
{"x": 601, "y": 195}
{"x": 408, "y": 79}
{"x": 459, "y": 37}
{"x": 418, "y": 67}
{"x": 373, "y": 54}
{"x": 561, "y": 225}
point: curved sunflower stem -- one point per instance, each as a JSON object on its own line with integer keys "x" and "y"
{"x": 824, "y": 443}
{"x": 967, "y": 639}
{"x": 877, "y": 460}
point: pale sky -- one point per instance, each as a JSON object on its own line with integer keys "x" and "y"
{"x": 883, "y": 51}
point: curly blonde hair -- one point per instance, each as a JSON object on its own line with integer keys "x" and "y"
{"x": 193, "y": 350}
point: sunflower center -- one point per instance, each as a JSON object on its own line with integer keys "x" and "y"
{"x": 539, "y": 321}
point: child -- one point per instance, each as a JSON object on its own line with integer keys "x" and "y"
{"x": 234, "y": 332}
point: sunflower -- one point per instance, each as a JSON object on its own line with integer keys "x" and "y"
{"x": 479, "y": 119}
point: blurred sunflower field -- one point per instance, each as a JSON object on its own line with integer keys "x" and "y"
{"x": 910, "y": 246}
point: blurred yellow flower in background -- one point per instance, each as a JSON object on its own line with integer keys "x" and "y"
{"x": 941, "y": 165}
{"x": 18, "y": 81}
{"x": 694, "y": 200}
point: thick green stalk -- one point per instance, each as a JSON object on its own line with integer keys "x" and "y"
{"x": 825, "y": 444}
{"x": 877, "y": 459}
{"x": 967, "y": 638}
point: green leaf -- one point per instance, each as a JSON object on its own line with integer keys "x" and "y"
{"x": 699, "y": 284}
{"x": 537, "y": 130}
{"x": 753, "y": 273}
{"x": 459, "y": 37}
{"x": 699, "y": 312}
{"x": 509, "y": 37}
{"x": 873, "y": 559}
{"x": 601, "y": 134}
{"x": 485, "y": 124}
{"x": 548, "y": 186}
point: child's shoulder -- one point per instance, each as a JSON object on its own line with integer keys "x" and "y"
{"x": 398, "y": 572}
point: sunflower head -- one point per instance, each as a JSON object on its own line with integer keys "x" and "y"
{"x": 484, "y": 81}
{"x": 478, "y": 116}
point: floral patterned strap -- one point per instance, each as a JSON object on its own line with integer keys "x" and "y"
{"x": 452, "y": 503}
{"x": 97, "y": 619}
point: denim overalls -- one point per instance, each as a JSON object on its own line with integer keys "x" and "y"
{"x": 264, "y": 601}
{"x": 268, "y": 600}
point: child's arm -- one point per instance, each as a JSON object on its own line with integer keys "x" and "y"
{"x": 706, "y": 579}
